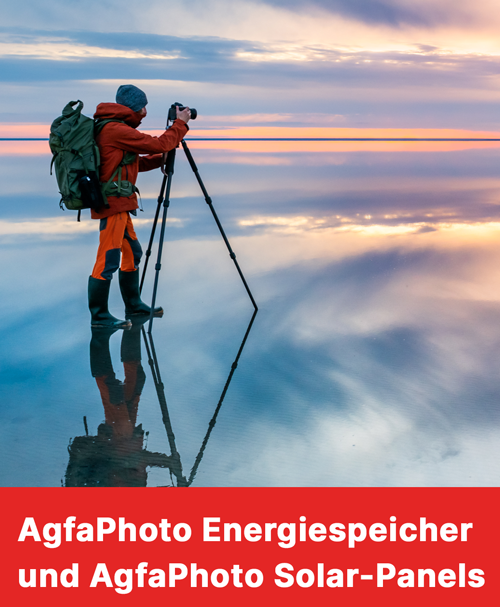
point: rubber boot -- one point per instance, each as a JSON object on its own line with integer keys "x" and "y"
{"x": 100, "y": 357}
{"x": 131, "y": 341}
{"x": 98, "y": 305}
{"x": 134, "y": 306}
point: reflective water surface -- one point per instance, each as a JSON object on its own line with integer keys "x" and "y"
{"x": 373, "y": 360}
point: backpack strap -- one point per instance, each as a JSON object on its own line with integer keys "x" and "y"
{"x": 119, "y": 187}
{"x": 100, "y": 123}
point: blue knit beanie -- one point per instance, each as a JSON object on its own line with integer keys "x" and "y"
{"x": 131, "y": 96}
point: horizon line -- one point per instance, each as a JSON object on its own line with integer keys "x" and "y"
{"x": 437, "y": 139}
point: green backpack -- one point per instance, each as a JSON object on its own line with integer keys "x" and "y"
{"x": 75, "y": 157}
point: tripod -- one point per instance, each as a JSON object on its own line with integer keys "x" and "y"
{"x": 164, "y": 199}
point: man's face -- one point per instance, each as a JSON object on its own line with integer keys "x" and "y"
{"x": 142, "y": 112}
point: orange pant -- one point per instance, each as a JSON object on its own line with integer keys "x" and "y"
{"x": 116, "y": 236}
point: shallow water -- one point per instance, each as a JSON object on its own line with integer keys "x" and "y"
{"x": 373, "y": 359}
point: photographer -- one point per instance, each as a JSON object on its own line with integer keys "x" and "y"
{"x": 118, "y": 141}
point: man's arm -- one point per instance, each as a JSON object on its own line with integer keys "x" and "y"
{"x": 126, "y": 138}
{"x": 148, "y": 163}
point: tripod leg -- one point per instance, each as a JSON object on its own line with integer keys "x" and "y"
{"x": 169, "y": 170}
{"x": 208, "y": 200}
{"x": 153, "y": 230}
{"x": 176, "y": 468}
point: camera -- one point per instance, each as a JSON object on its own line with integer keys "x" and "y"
{"x": 172, "y": 112}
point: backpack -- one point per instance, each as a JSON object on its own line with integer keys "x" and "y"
{"x": 75, "y": 158}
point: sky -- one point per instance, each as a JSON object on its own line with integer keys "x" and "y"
{"x": 337, "y": 63}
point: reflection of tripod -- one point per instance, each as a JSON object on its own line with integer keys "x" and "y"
{"x": 176, "y": 468}
{"x": 164, "y": 198}
{"x": 176, "y": 465}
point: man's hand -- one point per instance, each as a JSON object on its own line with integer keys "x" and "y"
{"x": 184, "y": 115}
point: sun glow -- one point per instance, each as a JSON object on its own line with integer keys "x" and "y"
{"x": 274, "y": 132}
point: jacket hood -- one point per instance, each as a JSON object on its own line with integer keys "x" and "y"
{"x": 118, "y": 112}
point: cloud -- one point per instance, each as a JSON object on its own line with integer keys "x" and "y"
{"x": 53, "y": 226}
{"x": 375, "y": 24}
{"x": 375, "y": 11}
{"x": 398, "y": 14}
{"x": 41, "y": 55}
{"x": 337, "y": 83}
{"x": 60, "y": 44}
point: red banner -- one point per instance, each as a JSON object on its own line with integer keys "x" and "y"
{"x": 222, "y": 546}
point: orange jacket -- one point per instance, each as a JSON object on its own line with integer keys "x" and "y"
{"x": 116, "y": 138}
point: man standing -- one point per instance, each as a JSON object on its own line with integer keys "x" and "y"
{"x": 124, "y": 152}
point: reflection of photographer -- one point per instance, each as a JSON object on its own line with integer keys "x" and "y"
{"x": 124, "y": 153}
{"x": 115, "y": 457}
